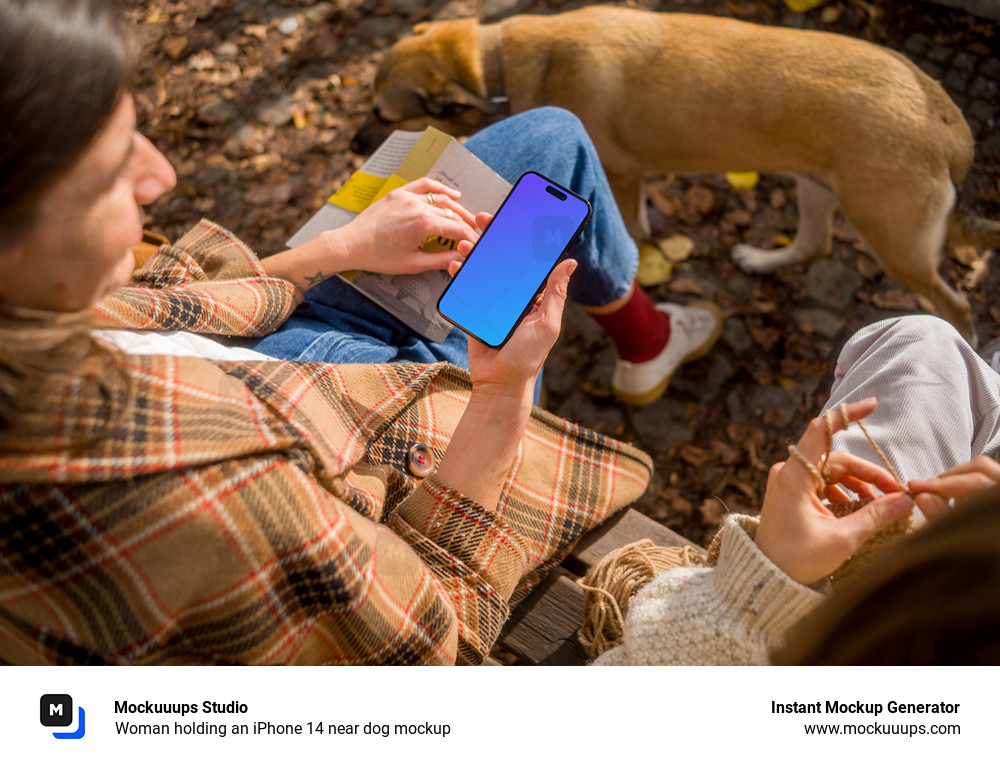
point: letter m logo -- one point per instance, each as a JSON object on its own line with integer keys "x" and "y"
{"x": 56, "y": 710}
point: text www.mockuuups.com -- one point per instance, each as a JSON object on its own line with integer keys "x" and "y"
{"x": 872, "y": 710}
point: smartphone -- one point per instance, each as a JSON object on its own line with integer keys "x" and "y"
{"x": 532, "y": 230}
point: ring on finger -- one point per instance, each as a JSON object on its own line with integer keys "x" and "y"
{"x": 431, "y": 199}
{"x": 448, "y": 213}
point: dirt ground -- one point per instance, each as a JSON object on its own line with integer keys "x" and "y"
{"x": 255, "y": 102}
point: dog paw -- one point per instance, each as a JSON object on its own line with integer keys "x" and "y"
{"x": 754, "y": 260}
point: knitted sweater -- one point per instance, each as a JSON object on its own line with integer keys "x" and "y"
{"x": 731, "y": 614}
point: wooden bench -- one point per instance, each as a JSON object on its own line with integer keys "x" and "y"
{"x": 542, "y": 630}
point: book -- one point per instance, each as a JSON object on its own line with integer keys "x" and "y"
{"x": 403, "y": 157}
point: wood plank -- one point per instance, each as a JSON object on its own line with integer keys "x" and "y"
{"x": 622, "y": 529}
{"x": 542, "y": 630}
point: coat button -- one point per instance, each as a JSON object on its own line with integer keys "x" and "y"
{"x": 420, "y": 460}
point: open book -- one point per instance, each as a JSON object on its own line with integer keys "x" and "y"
{"x": 403, "y": 157}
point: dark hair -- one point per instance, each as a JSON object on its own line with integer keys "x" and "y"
{"x": 64, "y": 65}
{"x": 933, "y": 600}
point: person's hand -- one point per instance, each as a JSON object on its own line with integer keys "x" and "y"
{"x": 937, "y": 496}
{"x": 512, "y": 369}
{"x": 797, "y": 532}
{"x": 387, "y": 237}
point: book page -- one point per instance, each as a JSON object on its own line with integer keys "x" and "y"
{"x": 404, "y": 157}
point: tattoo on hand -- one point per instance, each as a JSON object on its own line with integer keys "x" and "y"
{"x": 316, "y": 278}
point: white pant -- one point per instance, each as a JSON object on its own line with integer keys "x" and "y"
{"x": 939, "y": 402}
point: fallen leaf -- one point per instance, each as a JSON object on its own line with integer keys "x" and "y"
{"x": 867, "y": 266}
{"x": 300, "y": 116}
{"x": 965, "y": 254}
{"x": 781, "y": 241}
{"x": 175, "y": 46}
{"x": 701, "y": 198}
{"x": 201, "y": 61}
{"x": 739, "y": 217}
{"x": 895, "y": 299}
{"x": 801, "y": 6}
{"x": 686, "y": 285}
{"x": 693, "y": 455}
{"x": 743, "y": 181}
{"x": 654, "y": 268}
{"x": 662, "y": 201}
{"x": 830, "y": 15}
{"x": 677, "y": 248}
{"x": 979, "y": 271}
{"x": 595, "y": 390}
{"x": 726, "y": 453}
{"x": 256, "y": 30}
{"x": 778, "y": 197}
{"x": 746, "y": 489}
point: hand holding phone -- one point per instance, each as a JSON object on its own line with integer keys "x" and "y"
{"x": 507, "y": 268}
{"x": 513, "y": 367}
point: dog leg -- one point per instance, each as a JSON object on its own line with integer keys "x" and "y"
{"x": 908, "y": 239}
{"x": 631, "y": 197}
{"x": 817, "y": 205}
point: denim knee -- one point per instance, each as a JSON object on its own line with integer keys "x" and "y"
{"x": 557, "y": 121}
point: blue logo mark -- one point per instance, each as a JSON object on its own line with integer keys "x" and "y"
{"x": 57, "y": 710}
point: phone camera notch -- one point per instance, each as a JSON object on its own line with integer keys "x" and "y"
{"x": 556, "y": 193}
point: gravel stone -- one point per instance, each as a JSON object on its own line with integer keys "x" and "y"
{"x": 931, "y": 69}
{"x": 917, "y": 44}
{"x": 820, "y": 321}
{"x": 940, "y": 54}
{"x": 983, "y": 87}
{"x": 832, "y": 283}
{"x": 662, "y": 425}
{"x": 735, "y": 335}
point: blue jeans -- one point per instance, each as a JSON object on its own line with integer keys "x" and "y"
{"x": 337, "y": 324}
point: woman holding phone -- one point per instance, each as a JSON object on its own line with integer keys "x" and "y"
{"x": 164, "y": 508}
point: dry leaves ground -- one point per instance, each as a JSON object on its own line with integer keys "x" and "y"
{"x": 255, "y": 102}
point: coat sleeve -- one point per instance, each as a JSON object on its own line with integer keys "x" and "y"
{"x": 207, "y": 282}
{"x": 731, "y": 614}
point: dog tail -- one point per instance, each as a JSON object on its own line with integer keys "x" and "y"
{"x": 965, "y": 228}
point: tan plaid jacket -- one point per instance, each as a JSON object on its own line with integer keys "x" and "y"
{"x": 261, "y": 512}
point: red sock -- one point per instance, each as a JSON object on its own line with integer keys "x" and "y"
{"x": 637, "y": 329}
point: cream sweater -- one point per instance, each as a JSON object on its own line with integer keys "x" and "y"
{"x": 729, "y": 614}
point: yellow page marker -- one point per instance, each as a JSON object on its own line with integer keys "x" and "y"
{"x": 357, "y": 192}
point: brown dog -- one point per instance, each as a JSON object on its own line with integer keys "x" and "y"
{"x": 664, "y": 92}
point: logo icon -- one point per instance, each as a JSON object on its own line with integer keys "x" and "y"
{"x": 57, "y": 710}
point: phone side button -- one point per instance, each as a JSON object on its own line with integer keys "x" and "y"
{"x": 420, "y": 460}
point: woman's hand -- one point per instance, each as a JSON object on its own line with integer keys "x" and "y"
{"x": 517, "y": 363}
{"x": 797, "y": 532}
{"x": 385, "y": 238}
{"x": 937, "y": 496}
{"x": 388, "y": 236}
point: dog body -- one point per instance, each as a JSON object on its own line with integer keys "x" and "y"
{"x": 663, "y": 92}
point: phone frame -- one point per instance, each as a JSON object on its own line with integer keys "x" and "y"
{"x": 541, "y": 286}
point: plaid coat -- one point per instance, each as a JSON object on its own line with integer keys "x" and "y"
{"x": 261, "y": 512}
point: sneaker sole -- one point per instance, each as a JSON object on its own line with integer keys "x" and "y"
{"x": 651, "y": 395}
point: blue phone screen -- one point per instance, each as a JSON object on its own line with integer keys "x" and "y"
{"x": 512, "y": 258}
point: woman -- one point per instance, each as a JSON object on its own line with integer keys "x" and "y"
{"x": 926, "y": 602}
{"x": 165, "y": 509}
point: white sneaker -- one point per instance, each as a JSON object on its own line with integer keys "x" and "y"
{"x": 693, "y": 331}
